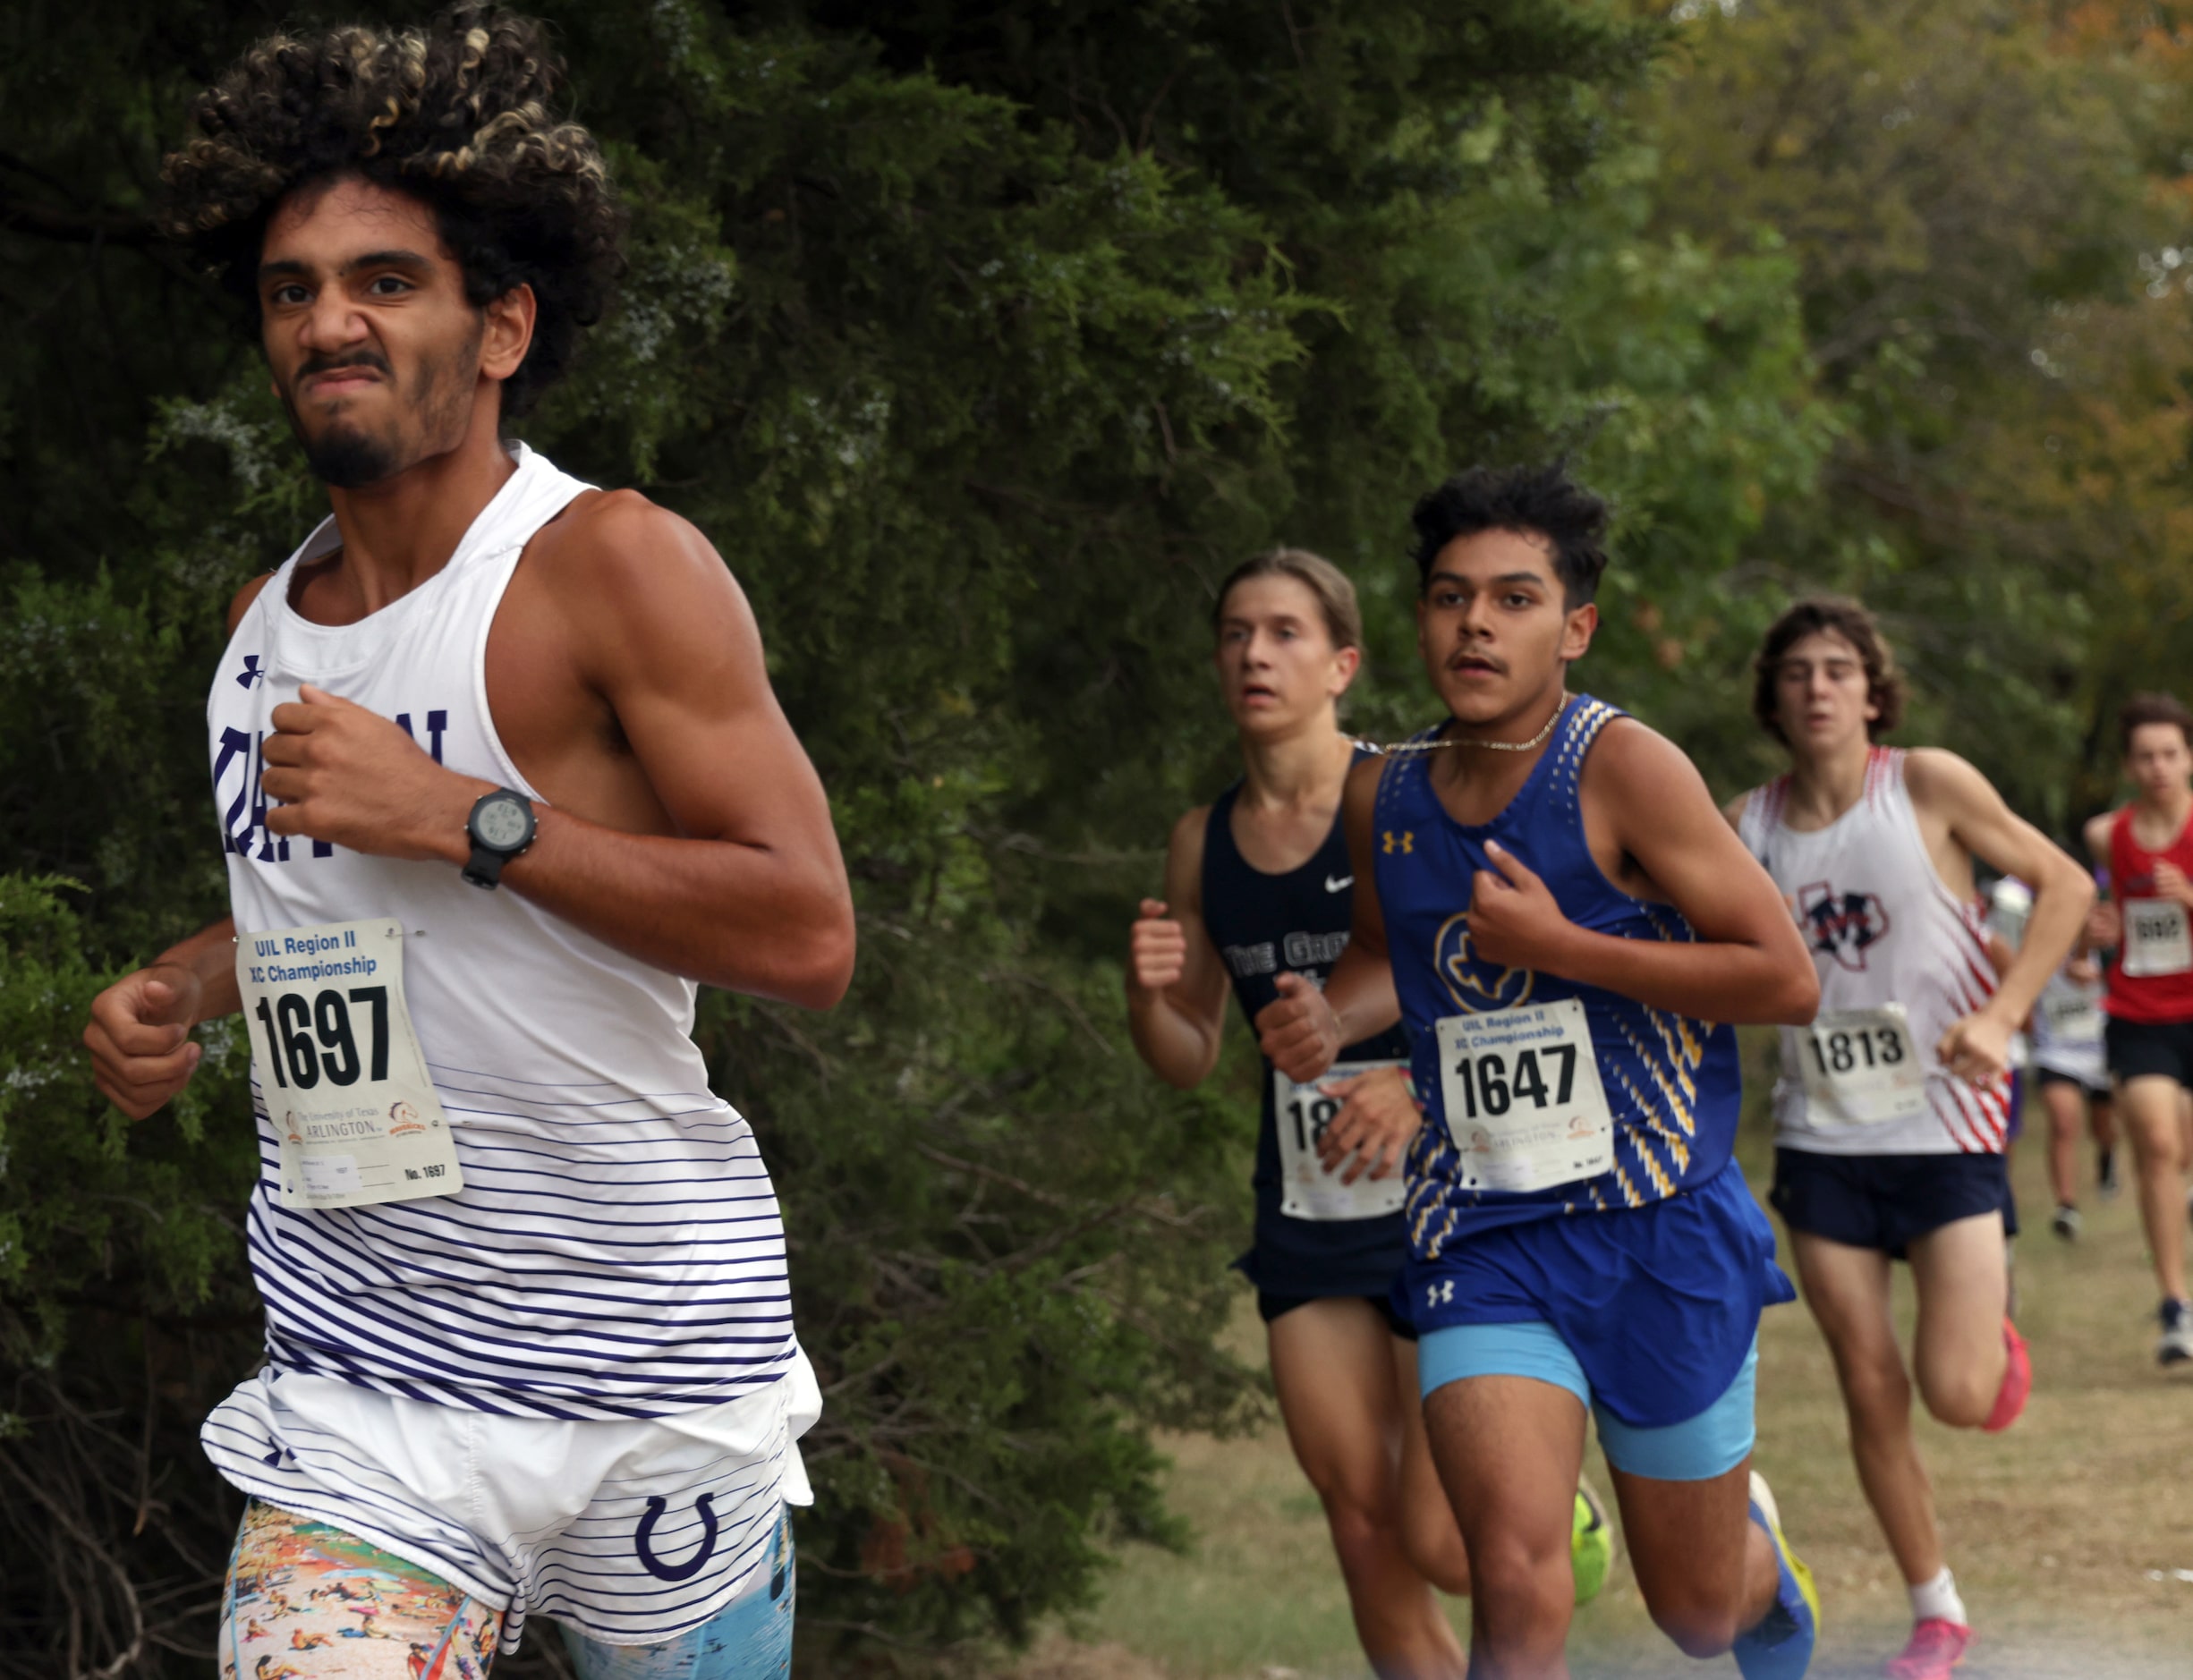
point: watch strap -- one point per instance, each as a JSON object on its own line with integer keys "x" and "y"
{"x": 485, "y": 868}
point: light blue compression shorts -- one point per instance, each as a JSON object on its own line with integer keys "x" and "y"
{"x": 1697, "y": 1449}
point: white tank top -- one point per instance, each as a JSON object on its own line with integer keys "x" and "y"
{"x": 2067, "y": 1030}
{"x": 616, "y": 1250}
{"x": 1883, "y": 929}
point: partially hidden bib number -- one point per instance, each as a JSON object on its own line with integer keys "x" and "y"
{"x": 356, "y": 1117}
{"x": 1861, "y": 1067}
{"x": 1525, "y": 1108}
{"x": 2073, "y": 1017}
{"x": 2156, "y": 938}
{"x": 1306, "y": 1190}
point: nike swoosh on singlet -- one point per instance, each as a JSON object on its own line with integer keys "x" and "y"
{"x": 1332, "y": 885}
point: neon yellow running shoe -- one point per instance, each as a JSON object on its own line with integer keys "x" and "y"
{"x": 1591, "y": 1544}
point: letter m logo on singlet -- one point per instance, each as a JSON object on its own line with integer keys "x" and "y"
{"x": 1844, "y": 926}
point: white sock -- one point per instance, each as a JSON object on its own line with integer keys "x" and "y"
{"x": 1938, "y": 1598}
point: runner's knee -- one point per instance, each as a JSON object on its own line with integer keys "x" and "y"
{"x": 1701, "y": 1627}
{"x": 1519, "y": 1583}
{"x": 1875, "y": 1386}
{"x": 1961, "y": 1398}
{"x": 1361, "y": 1528}
{"x": 1435, "y": 1552}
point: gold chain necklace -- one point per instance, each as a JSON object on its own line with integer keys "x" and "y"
{"x": 1387, "y": 749}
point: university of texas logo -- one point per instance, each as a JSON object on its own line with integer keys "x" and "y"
{"x": 1844, "y": 926}
{"x": 1476, "y": 986}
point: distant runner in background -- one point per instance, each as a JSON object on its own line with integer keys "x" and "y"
{"x": 2008, "y": 902}
{"x": 1892, "y": 1110}
{"x": 2148, "y": 853}
{"x": 1258, "y": 885}
{"x": 2066, "y": 1064}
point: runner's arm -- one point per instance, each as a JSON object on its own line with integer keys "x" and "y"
{"x": 749, "y": 894}
{"x": 1980, "y": 821}
{"x": 2104, "y": 925}
{"x": 1748, "y": 962}
{"x": 1304, "y": 1031}
{"x": 139, "y": 1030}
{"x": 1175, "y": 979}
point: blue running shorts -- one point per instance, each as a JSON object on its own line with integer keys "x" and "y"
{"x": 1696, "y": 1449}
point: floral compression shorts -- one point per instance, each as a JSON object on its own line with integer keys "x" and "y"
{"x": 308, "y": 1601}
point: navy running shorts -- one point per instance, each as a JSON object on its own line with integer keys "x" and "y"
{"x": 1883, "y": 1201}
{"x": 2138, "y": 1048}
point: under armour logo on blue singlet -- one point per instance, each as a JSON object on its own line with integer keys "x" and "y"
{"x": 252, "y": 673}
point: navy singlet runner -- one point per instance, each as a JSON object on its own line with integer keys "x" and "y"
{"x": 1265, "y": 925}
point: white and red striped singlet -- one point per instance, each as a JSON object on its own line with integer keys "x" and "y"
{"x": 1883, "y": 929}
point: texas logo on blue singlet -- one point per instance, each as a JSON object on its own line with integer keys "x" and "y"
{"x": 1474, "y": 985}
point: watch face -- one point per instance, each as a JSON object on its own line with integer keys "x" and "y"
{"x": 502, "y": 823}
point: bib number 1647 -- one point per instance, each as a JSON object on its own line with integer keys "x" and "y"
{"x": 1490, "y": 1087}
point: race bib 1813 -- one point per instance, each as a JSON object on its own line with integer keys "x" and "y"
{"x": 1306, "y": 1190}
{"x": 1861, "y": 1068}
{"x": 356, "y": 1117}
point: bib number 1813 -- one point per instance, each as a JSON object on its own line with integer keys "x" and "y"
{"x": 1846, "y": 1051}
{"x": 1307, "y": 1191}
{"x": 1859, "y": 1067}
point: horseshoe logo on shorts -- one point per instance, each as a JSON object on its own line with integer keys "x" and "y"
{"x": 691, "y": 1567}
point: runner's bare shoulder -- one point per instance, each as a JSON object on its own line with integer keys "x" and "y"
{"x": 2098, "y": 832}
{"x": 1936, "y": 777}
{"x": 241, "y": 602}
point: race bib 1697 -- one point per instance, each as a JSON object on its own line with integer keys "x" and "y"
{"x": 356, "y": 1117}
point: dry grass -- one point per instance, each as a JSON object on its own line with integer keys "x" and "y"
{"x": 2056, "y": 1529}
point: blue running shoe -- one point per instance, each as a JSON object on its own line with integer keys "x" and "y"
{"x": 1780, "y": 1646}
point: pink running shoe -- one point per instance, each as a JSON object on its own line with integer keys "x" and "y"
{"x": 1937, "y": 1646}
{"x": 2011, "y": 1398}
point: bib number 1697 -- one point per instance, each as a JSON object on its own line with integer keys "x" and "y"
{"x": 1488, "y": 1088}
{"x": 356, "y": 1117}
{"x": 305, "y": 1040}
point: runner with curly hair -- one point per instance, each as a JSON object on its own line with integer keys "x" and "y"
{"x": 500, "y": 777}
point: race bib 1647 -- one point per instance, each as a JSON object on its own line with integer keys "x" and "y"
{"x": 1525, "y": 1108}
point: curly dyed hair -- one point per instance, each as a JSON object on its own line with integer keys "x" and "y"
{"x": 458, "y": 116}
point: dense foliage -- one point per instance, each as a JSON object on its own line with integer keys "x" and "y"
{"x": 980, "y": 340}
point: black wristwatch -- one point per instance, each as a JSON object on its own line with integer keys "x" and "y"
{"x": 500, "y": 827}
